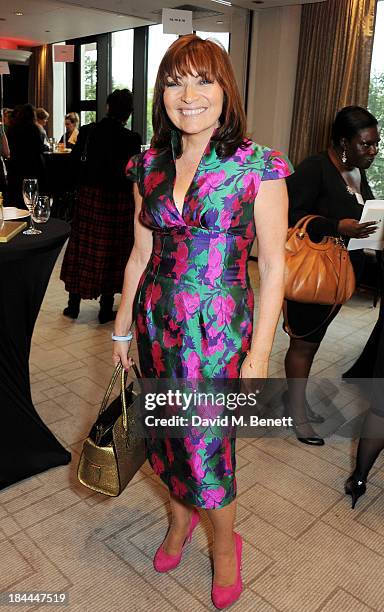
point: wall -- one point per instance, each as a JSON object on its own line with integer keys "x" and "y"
{"x": 240, "y": 19}
{"x": 272, "y": 74}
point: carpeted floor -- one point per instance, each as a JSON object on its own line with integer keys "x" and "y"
{"x": 305, "y": 549}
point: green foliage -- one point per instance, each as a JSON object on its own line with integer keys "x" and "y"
{"x": 90, "y": 77}
{"x": 149, "y": 115}
{"x": 90, "y": 117}
{"x": 376, "y": 107}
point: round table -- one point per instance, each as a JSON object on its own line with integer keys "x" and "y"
{"x": 27, "y": 446}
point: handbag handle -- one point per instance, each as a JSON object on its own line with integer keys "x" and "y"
{"x": 119, "y": 371}
{"x": 303, "y": 222}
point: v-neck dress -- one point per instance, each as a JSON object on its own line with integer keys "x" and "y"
{"x": 194, "y": 305}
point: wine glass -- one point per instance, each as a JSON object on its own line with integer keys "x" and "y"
{"x": 30, "y": 194}
{"x": 42, "y": 209}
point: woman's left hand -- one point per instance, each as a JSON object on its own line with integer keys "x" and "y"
{"x": 254, "y": 368}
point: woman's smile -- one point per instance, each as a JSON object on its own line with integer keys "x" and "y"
{"x": 191, "y": 112}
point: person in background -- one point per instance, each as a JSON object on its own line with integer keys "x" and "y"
{"x": 42, "y": 117}
{"x": 6, "y": 117}
{"x": 26, "y": 148}
{"x": 332, "y": 184}
{"x": 102, "y": 228}
{"x": 71, "y": 121}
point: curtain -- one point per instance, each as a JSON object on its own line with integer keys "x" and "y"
{"x": 335, "y": 52}
{"x": 40, "y": 84}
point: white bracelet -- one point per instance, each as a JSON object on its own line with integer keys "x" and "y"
{"x": 126, "y": 338}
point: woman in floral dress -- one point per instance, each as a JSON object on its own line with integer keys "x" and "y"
{"x": 201, "y": 191}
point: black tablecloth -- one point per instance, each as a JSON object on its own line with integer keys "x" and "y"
{"x": 27, "y": 446}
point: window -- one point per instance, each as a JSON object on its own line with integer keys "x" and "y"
{"x": 122, "y": 62}
{"x": 158, "y": 43}
{"x": 88, "y": 81}
{"x": 376, "y": 101}
{"x": 221, "y": 37}
{"x": 59, "y": 98}
{"x": 122, "y": 59}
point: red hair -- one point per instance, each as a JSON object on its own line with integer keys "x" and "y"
{"x": 207, "y": 58}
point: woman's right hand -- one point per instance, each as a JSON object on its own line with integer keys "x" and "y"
{"x": 354, "y": 229}
{"x": 120, "y": 354}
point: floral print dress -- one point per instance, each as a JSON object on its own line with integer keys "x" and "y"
{"x": 194, "y": 304}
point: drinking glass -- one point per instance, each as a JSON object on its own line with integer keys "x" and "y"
{"x": 42, "y": 210}
{"x": 30, "y": 195}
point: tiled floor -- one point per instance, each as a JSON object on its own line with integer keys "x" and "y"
{"x": 305, "y": 549}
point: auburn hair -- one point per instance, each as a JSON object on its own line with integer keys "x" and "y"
{"x": 191, "y": 54}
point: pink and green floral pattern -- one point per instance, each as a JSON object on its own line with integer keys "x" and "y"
{"x": 194, "y": 304}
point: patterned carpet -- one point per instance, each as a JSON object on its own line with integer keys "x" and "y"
{"x": 305, "y": 549}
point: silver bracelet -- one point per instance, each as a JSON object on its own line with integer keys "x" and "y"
{"x": 126, "y": 338}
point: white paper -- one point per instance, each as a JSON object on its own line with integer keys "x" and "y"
{"x": 63, "y": 53}
{"x": 176, "y": 21}
{"x": 372, "y": 211}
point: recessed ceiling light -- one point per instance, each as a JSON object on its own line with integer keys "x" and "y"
{"x": 19, "y": 13}
{"x": 219, "y": 22}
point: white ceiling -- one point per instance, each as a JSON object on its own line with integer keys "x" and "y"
{"x": 45, "y": 21}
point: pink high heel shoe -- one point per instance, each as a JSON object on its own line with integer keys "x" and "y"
{"x": 223, "y": 597}
{"x": 163, "y": 562}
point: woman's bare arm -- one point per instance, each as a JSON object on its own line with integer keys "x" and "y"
{"x": 137, "y": 262}
{"x": 271, "y": 218}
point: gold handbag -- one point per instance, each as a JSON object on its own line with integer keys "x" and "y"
{"x": 112, "y": 452}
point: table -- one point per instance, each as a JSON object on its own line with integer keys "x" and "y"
{"x": 27, "y": 446}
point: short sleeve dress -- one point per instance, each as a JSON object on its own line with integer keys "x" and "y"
{"x": 194, "y": 304}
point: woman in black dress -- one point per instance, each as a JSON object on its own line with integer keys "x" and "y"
{"x": 332, "y": 184}
{"x": 102, "y": 230}
{"x": 26, "y": 147}
{"x": 371, "y": 442}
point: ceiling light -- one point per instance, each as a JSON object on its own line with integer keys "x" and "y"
{"x": 219, "y": 22}
{"x": 19, "y": 13}
{"x": 225, "y": 2}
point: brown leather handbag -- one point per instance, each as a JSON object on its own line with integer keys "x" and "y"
{"x": 316, "y": 272}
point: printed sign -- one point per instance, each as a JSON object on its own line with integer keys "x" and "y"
{"x": 177, "y": 22}
{"x": 4, "y": 68}
{"x": 63, "y": 53}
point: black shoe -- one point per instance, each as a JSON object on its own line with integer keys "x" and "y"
{"x": 354, "y": 488}
{"x": 313, "y": 417}
{"x": 106, "y": 312}
{"x": 72, "y": 313}
{"x": 311, "y": 440}
{"x": 106, "y": 315}
{"x": 73, "y": 308}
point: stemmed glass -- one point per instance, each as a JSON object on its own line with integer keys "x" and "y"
{"x": 30, "y": 195}
{"x": 42, "y": 209}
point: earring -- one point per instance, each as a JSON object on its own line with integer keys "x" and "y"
{"x": 344, "y": 157}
